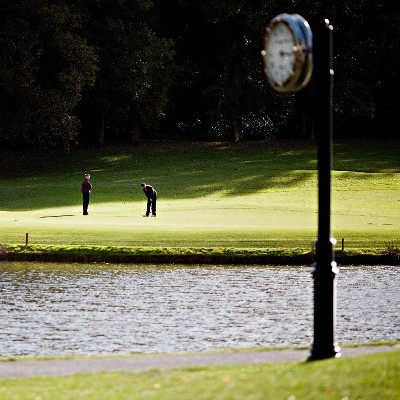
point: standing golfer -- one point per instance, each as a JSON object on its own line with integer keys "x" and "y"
{"x": 86, "y": 190}
{"x": 151, "y": 195}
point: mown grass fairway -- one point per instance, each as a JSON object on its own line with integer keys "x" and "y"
{"x": 254, "y": 195}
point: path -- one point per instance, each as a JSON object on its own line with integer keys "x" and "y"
{"x": 28, "y": 368}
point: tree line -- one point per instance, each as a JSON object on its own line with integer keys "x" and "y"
{"x": 98, "y": 72}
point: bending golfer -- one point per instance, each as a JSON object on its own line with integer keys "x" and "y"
{"x": 151, "y": 195}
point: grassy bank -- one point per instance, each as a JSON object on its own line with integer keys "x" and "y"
{"x": 188, "y": 255}
{"x": 367, "y": 377}
{"x": 218, "y": 202}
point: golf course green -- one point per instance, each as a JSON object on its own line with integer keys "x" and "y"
{"x": 249, "y": 202}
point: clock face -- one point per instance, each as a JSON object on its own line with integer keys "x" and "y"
{"x": 287, "y": 52}
{"x": 280, "y": 54}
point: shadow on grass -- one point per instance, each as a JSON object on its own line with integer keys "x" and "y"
{"x": 178, "y": 170}
{"x": 57, "y": 216}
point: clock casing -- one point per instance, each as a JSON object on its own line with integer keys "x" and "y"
{"x": 287, "y": 52}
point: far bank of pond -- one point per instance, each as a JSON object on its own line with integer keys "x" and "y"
{"x": 190, "y": 256}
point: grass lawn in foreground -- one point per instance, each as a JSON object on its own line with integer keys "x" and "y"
{"x": 257, "y": 195}
{"x": 367, "y": 377}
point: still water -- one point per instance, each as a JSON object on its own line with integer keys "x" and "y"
{"x": 87, "y": 309}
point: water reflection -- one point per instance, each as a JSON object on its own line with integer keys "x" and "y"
{"x": 58, "y": 309}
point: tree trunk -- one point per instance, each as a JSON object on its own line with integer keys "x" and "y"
{"x": 237, "y": 130}
{"x": 236, "y": 122}
{"x": 99, "y": 138}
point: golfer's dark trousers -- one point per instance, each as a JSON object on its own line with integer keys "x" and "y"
{"x": 85, "y": 203}
{"x": 151, "y": 203}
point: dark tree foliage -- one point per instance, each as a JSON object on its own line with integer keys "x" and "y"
{"x": 44, "y": 66}
{"x": 222, "y": 91}
{"x": 68, "y": 65}
{"x": 136, "y": 70}
{"x": 111, "y": 71}
{"x": 367, "y": 61}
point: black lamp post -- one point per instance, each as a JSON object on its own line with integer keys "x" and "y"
{"x": 324, "y": 269}
{"x": 289, "y": 49}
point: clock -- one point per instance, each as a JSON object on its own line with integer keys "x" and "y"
{"x": 287, "y": 52}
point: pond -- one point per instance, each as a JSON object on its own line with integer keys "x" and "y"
{"x": 102, "y": 309}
